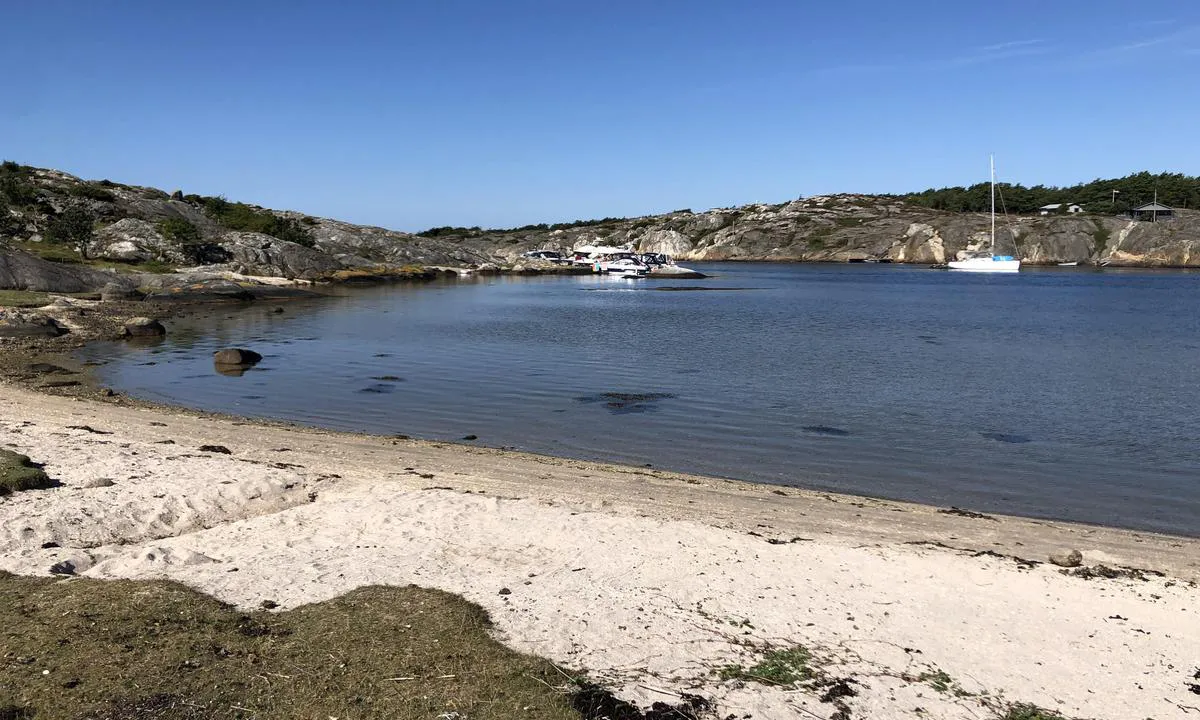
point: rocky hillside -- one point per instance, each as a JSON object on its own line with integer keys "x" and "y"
{"x": 844, "y": 228}
{"x": 60, "y": 217}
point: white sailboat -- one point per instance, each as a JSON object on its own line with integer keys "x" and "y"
{"x": 992, "y": 262}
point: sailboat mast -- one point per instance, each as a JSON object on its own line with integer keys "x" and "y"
{"x": 992, "y": 164}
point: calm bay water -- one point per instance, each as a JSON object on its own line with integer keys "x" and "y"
{"x": 1067, "y": 394}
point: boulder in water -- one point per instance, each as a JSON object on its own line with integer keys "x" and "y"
{"x": 144, "y": 327}
{"x": 235, "y": 356}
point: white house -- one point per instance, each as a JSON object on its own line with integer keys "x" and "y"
{"x": 1070, "y": 208}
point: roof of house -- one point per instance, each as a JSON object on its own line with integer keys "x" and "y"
{"x": 1053, "y": 206}
{"x": 1151, "y": 207}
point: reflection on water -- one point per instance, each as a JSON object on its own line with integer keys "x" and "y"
{"x": 1059, "y": 393}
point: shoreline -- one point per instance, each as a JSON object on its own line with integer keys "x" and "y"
{"x": 100, "y": 321}
{"x": 644, "y": 578}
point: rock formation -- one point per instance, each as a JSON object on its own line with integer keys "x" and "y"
{"x": 143, "y": 225}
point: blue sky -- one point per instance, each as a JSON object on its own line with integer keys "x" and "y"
{"x": 465, "y": 112}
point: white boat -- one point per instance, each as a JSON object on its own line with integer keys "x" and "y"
{"x": 626, "y": 266}
{"x": 593, "y": 255}
{"x": 1069, "y": 264}
{"x": 992, "y": 262}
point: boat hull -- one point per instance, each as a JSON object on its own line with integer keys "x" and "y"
{"x": 988, "y": 265}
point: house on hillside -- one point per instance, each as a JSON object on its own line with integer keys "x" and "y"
{"x": 1056, "y": 208}
{"x": 1152, "y": 212}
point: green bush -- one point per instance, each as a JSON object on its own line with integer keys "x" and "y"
{"x": 72, "y": 227}
{"x": 91, "y": 192}
{"x": 191, "y": 243}
{"x": 240, "y": 216}
{"x": 16, "y": 186}
{"x": 9, "y": 224}
{"x": 179, "y": 231}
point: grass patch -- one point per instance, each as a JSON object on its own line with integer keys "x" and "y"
{"x": 91, "y": 192}
{"x": 18, "y": 472}
{"x": 777, "y": 667}
{"x": 845, "y": 222}
{"x": 23, "y": 298}
{"x": 124, "y": 649}
{"x": 64, "y": 254}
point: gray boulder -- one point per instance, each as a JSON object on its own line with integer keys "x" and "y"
{"x": 258, "y": 254}
{"x": 21, "y": 271}
{"x": 141, "y": 327}
{"x": 184, "y": 288}
{"x": 133, "y": 240}
{"x": 1069, "y": 559}
{"x": 116, "y": 292}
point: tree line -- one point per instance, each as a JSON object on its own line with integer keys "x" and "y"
{"x": 1174, "y": 190}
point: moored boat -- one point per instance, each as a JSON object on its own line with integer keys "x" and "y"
{"x": 992, "y": 262}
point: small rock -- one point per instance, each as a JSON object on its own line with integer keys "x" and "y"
{"x": 60, "y": 384}
{"x": 18, "y": 323}
{"x": 115, "y": 292}
{"x": 505, "y": 591}
{"x": 98, "y": 483}
{"x": 236, "y": 356}
{"x": 66, "y": 567}
{"x": 42, "y": 368}
{"x": 216, "y": 449}
{"x": 49, "y": 544}
{"x": 269, "y": 605}
{"x": 1068, "y": 559}
{"x": 144, "y": 327}
{"x": 470, "y": 437}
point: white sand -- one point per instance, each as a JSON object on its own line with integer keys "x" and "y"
{"x": 649, "y": 580}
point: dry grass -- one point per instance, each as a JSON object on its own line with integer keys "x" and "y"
{"x": 109, "y": 650}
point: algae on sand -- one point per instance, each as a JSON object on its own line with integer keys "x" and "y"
{"x": 120, "y": 649}
{"x": 18, "y": 472}
{"x": 777, "y": 667}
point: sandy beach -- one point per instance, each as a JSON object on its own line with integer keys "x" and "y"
{"x": 648, "y": 580}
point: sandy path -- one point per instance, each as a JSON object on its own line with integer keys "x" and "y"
{"x": 651, "y": 580}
